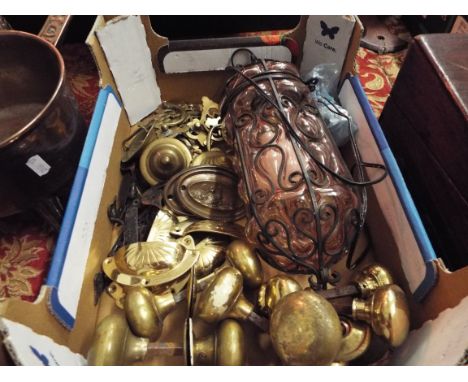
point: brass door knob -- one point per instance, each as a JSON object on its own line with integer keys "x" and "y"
{"x": 372, "y": 277}
{"x": 274, "y": 290}
{"x": 364, "y": 284}
{"x": 238, "y": 255}
{"x": 242, "y": 256}
{"x": 225, "y": 348}
{"x": 223, "y": 298}
{"x": 305, "y": 329}
{"x": 212, "y": 255}
{"x": 356, "y": 340}
{"x": 114, "y": 344}
{"x": 146, "y": 312}
{"x": 387, "y": 312}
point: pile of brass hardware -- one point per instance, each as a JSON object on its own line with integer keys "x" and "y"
{"x": 180, "y": 243}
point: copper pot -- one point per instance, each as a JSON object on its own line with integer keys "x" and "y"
{"x": 41, "y": 129}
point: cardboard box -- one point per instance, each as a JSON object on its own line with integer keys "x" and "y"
{"x": 137, "y": 64}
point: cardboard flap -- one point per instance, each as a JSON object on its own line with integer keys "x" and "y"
{"x": 442, "y": 341}
{"x": 73, "y": 245}
{"x": 26, "y": 347}
{"x": 123, "y": 41}
{"x": 127, "y": 47}
{"x": 413, "y": 251}
{"x": 331, "y": 40}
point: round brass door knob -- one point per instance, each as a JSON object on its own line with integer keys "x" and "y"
{"x": 305, "y": 329}
{"x": 387, "y": 312}
{"x": 225, "y": 348}
{"x": 242, "y": 256}
{"x": 365, "y": 282}
{"x": 371, "y": 278}
{"x": 223, "y": 298}
{"x": 274, "y": 290}
{"x": 356, "y": 340}
{"x": 146, "y": 312}
{"x": 114, "y": 344}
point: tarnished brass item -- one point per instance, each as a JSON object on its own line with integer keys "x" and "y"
{"x": 163, "y": 158}
{"x": 356, "y": 340}
{"x": 211, "y": 256}
{"x": 213, "y": 158}
{"x": 170, "y": 197}
{"x": 372, "y": 277}
{"x": 117, "y": 269}
{"x": 172, "y": 119}
{"x": 114, "y": 344}
{"x": 210, "y": 192}
{"x": 364, "y": 284}
{"x": 209, "y": 109}
{"x": 210, "y": 226}
{"x": 242, "y": 256}
{"x": 305, "y": 329}
{"x": 132, "y": 145}
{"x": 145, "y": 312}
{"x": 225, "y": 348}
{"x": 274, "y": 290}
{"x": 223, "y": 298}
{"x": 169, "y": 114}
{"x": 387, "y": 312}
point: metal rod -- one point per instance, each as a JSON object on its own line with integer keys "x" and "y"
{"x": 349, "y": 290}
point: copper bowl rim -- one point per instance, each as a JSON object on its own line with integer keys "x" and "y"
{"x": 33, "y": 122}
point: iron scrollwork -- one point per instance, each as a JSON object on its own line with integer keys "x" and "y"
{"x": 306, "y": 210}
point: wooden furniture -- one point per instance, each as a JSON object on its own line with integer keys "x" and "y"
{"x": 425, "y": 122}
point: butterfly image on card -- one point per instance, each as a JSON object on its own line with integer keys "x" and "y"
{"x": 331, "y": 32}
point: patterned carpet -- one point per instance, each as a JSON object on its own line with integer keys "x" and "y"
{"x": 377, "y": 73}
{"x": 27, "y": 245}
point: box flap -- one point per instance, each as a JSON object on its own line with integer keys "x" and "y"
{"x": 442, "y": 341}
{"x": 401, "y": 215}
{"x": 26, "y": 347}
{"x": 330, "y": 40}
{"x": 196, "y": 63}
{"x": 73, "y": 245}
{"x": 133, "y": 72}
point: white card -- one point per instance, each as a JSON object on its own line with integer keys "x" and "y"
{"x": 38, "y": 165}
{"x": 124, "y": 43}
{"x": 327, "y": 41}
{"x": 28, "y": 348}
